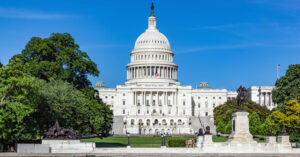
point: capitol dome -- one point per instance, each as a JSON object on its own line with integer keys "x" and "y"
{"x": 152, "y": 58}
{"x": 152, "y": 38}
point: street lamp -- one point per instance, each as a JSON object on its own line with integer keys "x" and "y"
{"x": 128, "y": 144}
{"x": 162, "y": 140}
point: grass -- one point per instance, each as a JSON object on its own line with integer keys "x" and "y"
{"x": 219, "y": 139}
{"x": 135, "y": 141}
{"x": 145, "y": 141}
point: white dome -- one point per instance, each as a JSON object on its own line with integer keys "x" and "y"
{"x": 152, "y": 39}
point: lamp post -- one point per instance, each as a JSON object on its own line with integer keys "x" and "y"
{"x": 128, "y": 135}
{"x": 162, "y": 140}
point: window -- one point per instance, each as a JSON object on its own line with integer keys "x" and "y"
{"x": 147, "y": 103}
{"x": 220, "y": 97}
{"x": 198, "y": 97}
{"x": 139, "y": 102}
{"x": 184, "y": 103}
{"x": 160, "y": 102}
{"x": 213, "y": 97}
{"x": 147, "y": 111}
{"x": 139, "y": 111}
{"x": 198, "y": 105}
{"x": 183, "y": 94}
{"x": 183, "y": 112}
{"x": 169, "y": 102}
{"x": 105, "y": 97}
{"x": 205, "y": 97}
{"x": 169, "y": 112}
{"x": 206, "y": 104}
{"x": 214, "y": 105}
{"x": 160, "y": 111}
{"x": 112, "y": 97}
{"x": 123, "y": 94}
{"x": 206, "y": 113}
{"x": 123, "y": 111}
{"x": 124, "y": 102}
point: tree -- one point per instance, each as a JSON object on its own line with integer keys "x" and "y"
{"x": 224, "y": 112}
{"x": 18, "y": 102}
{"x": 290, "y": 119}
{"x": 1, "y": 65}
{"x": 220, "y": 127}
{"x": 72, "y": 108}
{"x": 254, "y": 123}
{"x": 287, "y": 87}
{"x": 228, "y": 128}
{"x": 59, "y": 57}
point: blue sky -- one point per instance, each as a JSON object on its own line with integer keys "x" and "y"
{"x": 226, "y": 43}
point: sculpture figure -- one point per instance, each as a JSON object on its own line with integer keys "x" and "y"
{"x": 57, "y": 132}
{"x": 241, "y": 97}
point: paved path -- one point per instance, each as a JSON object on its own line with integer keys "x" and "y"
{"x": 149, "y": 155}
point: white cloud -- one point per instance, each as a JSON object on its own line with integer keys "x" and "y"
{"x": 28, "y": 14}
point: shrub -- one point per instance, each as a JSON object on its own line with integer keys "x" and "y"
{"x": 176, "y": 143}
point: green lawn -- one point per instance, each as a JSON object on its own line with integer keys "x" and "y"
{"x": 140, "y": 141}
{"x": 135, "y": 141}
{"x": 219, "y": 139}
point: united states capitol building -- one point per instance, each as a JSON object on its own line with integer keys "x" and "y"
{"x": 152, "y": 101}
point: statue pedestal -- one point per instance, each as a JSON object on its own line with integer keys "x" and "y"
{"x": 199, "y": 141}
{"x": 271, "y": 139}
{"x": 240, "y": 128}
{"x": 69, "y": 146}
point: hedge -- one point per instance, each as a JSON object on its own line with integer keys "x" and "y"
{"x": 176, "y": 143}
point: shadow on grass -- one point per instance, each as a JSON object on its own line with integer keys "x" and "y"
{"x": 103, "y": 144}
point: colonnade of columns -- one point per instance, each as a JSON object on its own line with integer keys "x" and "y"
{"x": 152, "y": 98}
{"x": 265, "y": 98}
{"x": 152, "y": 72}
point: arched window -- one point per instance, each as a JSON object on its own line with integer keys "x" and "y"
{"x": 171, "y": 122}
{"x": 148, "y": 122}
{"x": 179, "y": 122}
{"x": 132, "y": 122}
{"x": 164, "y": 122}
{"x": 155, "y": 122}
{"x": 141, "y": 122}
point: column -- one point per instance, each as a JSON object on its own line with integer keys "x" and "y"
{"x": 271, "y": 101}
{"x": 157, "y": 97}
{"x": 143, "y": 101}
{"x": 264, "y": 99}
{"x": 145, "y": 93}
{"x": 151, "y": 98}
{"x": 133, "y": 98}
{"x": 260, "y": 97}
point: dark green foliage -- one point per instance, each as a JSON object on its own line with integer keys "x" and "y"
{"x": 287, "y": 87}
{"x": 176, "y": 143}
{"x": 228, "y": 128}
{"x": 220, "y": 127}
{"x": 224, "y": 112}
{"x": 1, "y": 65}
{"x": 59, "y": 57}
{"x": 254, "y": 123}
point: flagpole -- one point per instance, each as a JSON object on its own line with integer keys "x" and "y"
{"x": 277, "y": 71}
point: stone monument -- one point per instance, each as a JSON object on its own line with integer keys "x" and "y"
{"x": 240, "y": 121}
{"x": 62, "y": 140}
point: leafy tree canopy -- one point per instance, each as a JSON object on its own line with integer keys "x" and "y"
{"x": 224, "y": 112}
{"x": 18, "y": 94}
{"x": 59, "y": 57}
{"x": 287, "y": 87}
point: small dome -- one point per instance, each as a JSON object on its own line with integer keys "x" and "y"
{"x": 152, "y": 39}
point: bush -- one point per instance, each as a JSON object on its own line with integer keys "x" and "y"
{"x": 176, "y": 143}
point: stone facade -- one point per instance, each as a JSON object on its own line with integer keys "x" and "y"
{"x": 261, "y": 95}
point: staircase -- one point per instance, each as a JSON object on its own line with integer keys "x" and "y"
{"x": 203, "y": 122}
{"x": 118, "y": 125}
